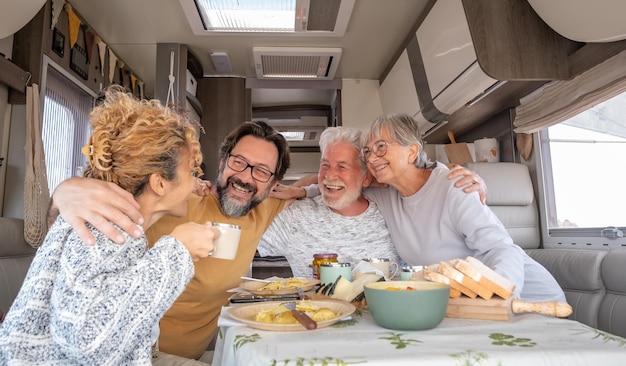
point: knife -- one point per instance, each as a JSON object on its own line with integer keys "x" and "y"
{"x": 300, "y": 316}
{"x": 302, "y": 294}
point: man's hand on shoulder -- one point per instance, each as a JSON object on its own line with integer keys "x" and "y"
{"x": 202, "y": 187}
{"x": 287, "y": 192}
{"x": 82, "y": 200}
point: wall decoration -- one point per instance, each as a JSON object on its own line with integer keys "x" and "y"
{"x": 140, "y": 83}
{"x": 78, "y": 61}
{"x": 133, "y": 82}
{"x": 57, "y": 6}
{"x": 102, "y": 49}
{"x": 112, "y": 63}
{"x": 74, "y": 24}
{"x": 120, "y": 66}
{"x": 58, "y": 42}
{"x": 89, "y": 41}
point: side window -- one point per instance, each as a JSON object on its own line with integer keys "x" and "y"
{"x": 583, "y": 160}
{"x": 65, "y": 128}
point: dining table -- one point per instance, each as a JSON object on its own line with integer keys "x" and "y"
{"x": 525, "y": 339}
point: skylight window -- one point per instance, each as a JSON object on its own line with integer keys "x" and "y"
{"x": 281, "y": 18}
{"x": 293, "y": 135}
{"x": 251, "y": 15}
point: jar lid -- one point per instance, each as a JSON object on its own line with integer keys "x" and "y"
{"x": 325, "y": 255}
{"x": 376, "y": 260}
{"x": 334, "y": 264}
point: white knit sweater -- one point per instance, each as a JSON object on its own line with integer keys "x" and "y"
{"x": 93, "y": 305}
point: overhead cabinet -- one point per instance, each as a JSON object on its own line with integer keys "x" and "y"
{"x": 438, "y": 72}
{"x": 450, "y": 64}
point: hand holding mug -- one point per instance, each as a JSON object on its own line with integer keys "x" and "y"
{"x": 228, "y": 242}
{"x": 388, "y": 268}
{"x": 197, "y": 238}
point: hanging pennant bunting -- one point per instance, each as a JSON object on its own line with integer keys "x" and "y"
{"x": 112, "y": 63}
{"x": 89, "y": 40}
{"x": 74, "y": 24}
{"x": 102, "y": 49}
{"x": 120, "y": 66}
{"x": 141, "y": 84}
{"x": 57, "y": 6}
{"x": 133, "y": 81}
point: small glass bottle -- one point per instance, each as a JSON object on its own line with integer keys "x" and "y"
{"x": 320, "y": 258}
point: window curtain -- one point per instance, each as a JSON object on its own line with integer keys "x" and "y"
{"x": 558, "y": 101}
{"x": 36, "y": 194}
{"x": 65, "y": 118}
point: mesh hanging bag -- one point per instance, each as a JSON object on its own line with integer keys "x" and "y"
{"x": 36, "y": 193}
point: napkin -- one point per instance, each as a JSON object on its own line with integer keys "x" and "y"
{"x": 226, "y": 321}
{"x": 367, "y": 267}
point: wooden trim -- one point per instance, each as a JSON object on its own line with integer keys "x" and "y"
{"x": 13, "y": 76}
{"x": 513, "y": 43}
{"x": 592, "y": 54}
{"x": 469, "y": 117}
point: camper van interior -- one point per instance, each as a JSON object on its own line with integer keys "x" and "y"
{"x": 529, "y": 94}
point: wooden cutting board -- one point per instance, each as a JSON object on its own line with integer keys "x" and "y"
{"x": 457, "y": 153}
{"x": 499, "y": 309}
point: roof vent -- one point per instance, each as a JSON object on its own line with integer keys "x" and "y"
{"x": 294, "y": 63}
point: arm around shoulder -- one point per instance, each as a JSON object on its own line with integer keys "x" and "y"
{"x": 82, "y": 200}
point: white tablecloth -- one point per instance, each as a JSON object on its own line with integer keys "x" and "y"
{"x": 528, "y": 339}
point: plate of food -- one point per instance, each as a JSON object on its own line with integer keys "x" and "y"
{"x": 279, "y": 286}
{"x": 275, "y": 316}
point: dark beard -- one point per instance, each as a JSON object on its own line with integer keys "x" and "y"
{"x": 230, "y": 207}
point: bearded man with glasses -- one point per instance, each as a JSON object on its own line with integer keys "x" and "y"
{"x": 252, "y": 159}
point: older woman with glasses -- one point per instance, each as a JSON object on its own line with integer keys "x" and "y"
{"x": 431, "y": 221}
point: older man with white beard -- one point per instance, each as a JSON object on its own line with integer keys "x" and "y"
{"x": 340, "y": 221}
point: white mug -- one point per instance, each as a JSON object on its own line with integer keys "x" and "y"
{"x": 228, "y": 242}
{"x": 388, "y": 268}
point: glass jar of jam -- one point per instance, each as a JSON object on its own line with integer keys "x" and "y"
{"x": 320, "y": 258}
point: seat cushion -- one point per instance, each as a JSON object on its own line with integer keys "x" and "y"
{"x": 15, "y": 258}
{"x": 511, "y": 197}
{"x": 579, "y": 274}
{"x": 612, "y": 312}
{"x": 508, "y": 184}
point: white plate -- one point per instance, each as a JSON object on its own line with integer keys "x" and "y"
{"x": 247, "y": 314}
{"x": 254, "y": 286}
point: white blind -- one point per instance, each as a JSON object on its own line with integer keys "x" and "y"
{"x": 560, "y": 100}
{"x": 66, "y": 128}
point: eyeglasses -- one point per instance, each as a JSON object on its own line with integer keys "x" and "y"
{"x": 237, "y": 164}
{"x": 379, "y": 149}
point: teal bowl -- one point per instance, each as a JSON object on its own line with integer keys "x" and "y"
{"x": 393, "y": 306}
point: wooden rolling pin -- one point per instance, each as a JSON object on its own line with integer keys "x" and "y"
{"x": 553, "y": 308}
{"x": 500, "y": 309}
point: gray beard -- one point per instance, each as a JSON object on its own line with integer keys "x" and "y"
{"x": 348, "y": 198}
{"x": 232, "y": 208}
{"x": 345, "y": 201}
